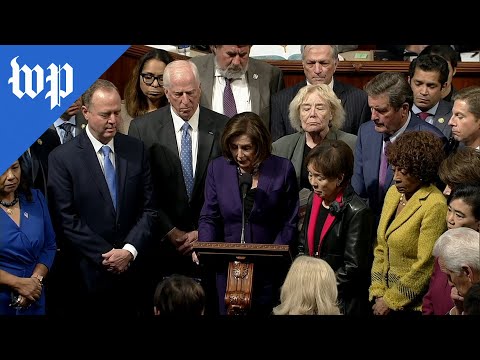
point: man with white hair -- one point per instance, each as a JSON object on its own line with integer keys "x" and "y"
{"x": 458, "y": 252}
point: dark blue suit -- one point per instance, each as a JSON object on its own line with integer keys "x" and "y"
{"x": 354, "y": 101}
{"x": 86, "y": 219}
{"x": 368, "y": 151}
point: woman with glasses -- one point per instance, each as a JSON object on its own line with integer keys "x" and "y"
{"x": 144, "y": 91}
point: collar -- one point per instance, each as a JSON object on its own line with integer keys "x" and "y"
{"x": 178, "y": 121}
{"x": 432, "y": 111}
{"x": 402, "y": 129}
{"x": 329, "y": 85}
{"x": 97, "y": 144}
{"x": 60, "y": 121}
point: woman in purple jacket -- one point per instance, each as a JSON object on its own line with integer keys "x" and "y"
{"x": 271, "y": 203}
{"x": 463, "y": 211}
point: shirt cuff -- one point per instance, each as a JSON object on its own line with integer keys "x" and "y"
{"x": 131, "y": 249}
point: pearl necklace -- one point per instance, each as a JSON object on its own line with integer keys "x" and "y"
{"x": 402, "y": 199}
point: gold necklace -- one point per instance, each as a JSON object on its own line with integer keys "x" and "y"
{"x": 402, "y": 199}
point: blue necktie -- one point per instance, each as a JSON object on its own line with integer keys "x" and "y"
{"x": 110, "y": 174}
{"x": 186, "y": 158}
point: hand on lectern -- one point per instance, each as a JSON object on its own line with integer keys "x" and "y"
{"x": 195, "y": 258}
{"x": 186, "y": 242}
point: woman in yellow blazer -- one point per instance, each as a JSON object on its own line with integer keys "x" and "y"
{"x": 412, "y": 218}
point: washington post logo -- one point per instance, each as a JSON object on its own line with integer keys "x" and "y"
{"x": 59, "y": 79}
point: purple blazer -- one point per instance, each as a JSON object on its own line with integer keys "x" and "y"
{"x": 274, "y": 215}
{"x": 273, "y": 219}
{"x": 437, "y": 300}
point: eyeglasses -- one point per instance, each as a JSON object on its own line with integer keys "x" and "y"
{"x": 148, "y": 79}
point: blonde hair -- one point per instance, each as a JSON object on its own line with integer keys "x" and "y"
{"x": 310, "y": 288}
{"x": 326, "y": 93}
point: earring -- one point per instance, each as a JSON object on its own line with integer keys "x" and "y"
{"x": 338, "y": 183}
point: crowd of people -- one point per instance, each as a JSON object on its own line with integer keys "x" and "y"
{"x": 375, "y": 191}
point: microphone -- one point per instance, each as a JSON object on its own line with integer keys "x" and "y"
{"x": 245, "y": 183}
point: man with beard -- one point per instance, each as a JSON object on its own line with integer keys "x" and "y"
{"x": 232, "y": 82}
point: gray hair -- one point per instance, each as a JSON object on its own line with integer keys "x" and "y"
{"x": 334, "y": 51}
{"x": 327, "y": 94}
{"x": 177, "y": 65}
{"x": 459, "y": 247}
{"x": 394, "y": 85}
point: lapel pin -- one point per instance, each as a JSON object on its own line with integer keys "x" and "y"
{"x": 255, "y": 76}
{"x": 441, "y": 120}
{"x": 39, "y": 142}
{"x": 210, "y": 132}
{"x": 83, "y": 126}
{"x": 25, "y": 214}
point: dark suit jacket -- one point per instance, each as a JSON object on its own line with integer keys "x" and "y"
{"x": 348, "y": 248}
{"x": 87, "y": 220}
{"x": 442, "y": 116}
{"x": 273, "y": 218}
{"x": 354, "y": 101}
{"x": 367, "y": 160}
{"x": 263, "y": 79}
{"x": 39, "y": 151}
{"x": 156, "y": 130}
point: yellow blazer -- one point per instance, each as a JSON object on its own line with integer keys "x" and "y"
{"x": 403, "y": 261}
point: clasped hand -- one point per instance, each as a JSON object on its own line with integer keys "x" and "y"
{"x": 117, "y": 260}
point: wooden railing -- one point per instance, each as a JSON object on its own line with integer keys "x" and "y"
{"x": 357, "y": 73}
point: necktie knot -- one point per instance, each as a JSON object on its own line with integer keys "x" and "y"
{"x": 423, "y": 115}
{"x": 106, "y": 150}
{"x": 67, "y": 128}
{"x": 185, "y": 126}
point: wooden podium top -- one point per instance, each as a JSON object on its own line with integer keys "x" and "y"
{"x": 246, "y": 249}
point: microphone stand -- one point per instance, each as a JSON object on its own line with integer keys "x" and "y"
{"x": 242, "y": 236}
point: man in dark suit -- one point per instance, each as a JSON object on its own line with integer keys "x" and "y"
{"x": 102, "y": 201}
{"x": 162, "y": 132}
{"x": 71, "y": 123}
{"x": 390, "y": 98}
{"x": 319, "y": 65}
{"x": 428, "y": 76}
{"x": 252, "y": 81}
{"x": 36, "y": 157}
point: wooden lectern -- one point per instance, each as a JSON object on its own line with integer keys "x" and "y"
{"x": 241, "y": 259}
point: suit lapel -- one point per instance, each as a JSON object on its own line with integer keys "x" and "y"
{"x": 412, "y": 206}
{"x": 168, "y": 139}
{"x": 121, "y": 168}
{"x": 207, "y": 82}
{"x": 254, "y": 87}
{"x": 206, "y": 131}
{"x": 297, "y": 156}
{"x": 442, "y": 116}
{"x": 89, "y": 158}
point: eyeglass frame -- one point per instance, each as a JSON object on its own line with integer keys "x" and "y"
{"x": 159, "y": 82}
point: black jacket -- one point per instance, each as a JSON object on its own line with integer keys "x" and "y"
{"x": 348, "y": 248}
